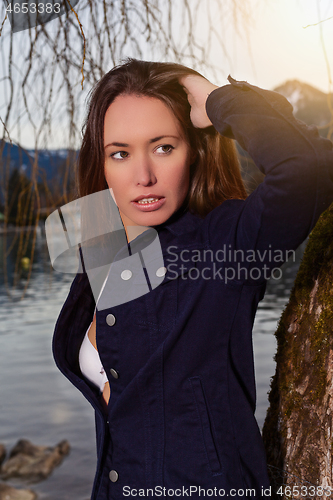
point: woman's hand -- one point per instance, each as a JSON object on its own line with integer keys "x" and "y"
{"x": 197, "y": 89}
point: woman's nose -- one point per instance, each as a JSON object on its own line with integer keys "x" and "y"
{"x": 144, "y": 174}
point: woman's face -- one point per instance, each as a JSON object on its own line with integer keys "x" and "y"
{"x": 147, "y": 160}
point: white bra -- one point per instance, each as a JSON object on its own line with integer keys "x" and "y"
{"x": 90, "y": 363}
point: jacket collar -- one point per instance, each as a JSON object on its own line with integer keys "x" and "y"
{"x": 180, "y": 222}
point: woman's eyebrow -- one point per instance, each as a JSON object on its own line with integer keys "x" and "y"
{"x": 117, "y": 144}
{"x": 151, "y": 141}
{"x": 162, "y": 137}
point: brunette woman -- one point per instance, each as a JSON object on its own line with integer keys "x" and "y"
{"x": 178, "y": 359}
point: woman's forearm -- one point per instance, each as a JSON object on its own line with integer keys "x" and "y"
{"x": 298, "y": 163}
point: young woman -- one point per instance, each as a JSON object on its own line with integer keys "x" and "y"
{"x": 179, "y": 362}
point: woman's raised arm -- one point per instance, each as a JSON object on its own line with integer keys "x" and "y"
{"x": 297, "y": 162}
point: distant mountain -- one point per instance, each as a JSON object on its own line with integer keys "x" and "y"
{"x": 53, "y": 168}
{"x": 50, "y": 163}
{"x": 310, "y": 104}
{"x": 15, "y": 157}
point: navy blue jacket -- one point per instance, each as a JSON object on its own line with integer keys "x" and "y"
{"x": 181, "y": 414}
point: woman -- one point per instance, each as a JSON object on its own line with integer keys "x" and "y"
{"x": 180, "y": 419}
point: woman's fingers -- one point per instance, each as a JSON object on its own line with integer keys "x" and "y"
{"x": 197, "y": 89}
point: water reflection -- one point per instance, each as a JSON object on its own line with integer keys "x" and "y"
{"x": 15, "y": 278}
{"x": 38, "y": 403}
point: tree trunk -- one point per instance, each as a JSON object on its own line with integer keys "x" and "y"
{"x": 298, "y": 430}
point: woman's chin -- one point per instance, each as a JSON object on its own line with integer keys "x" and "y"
{"x": 151, "y": 221}
{"x": 151, "y": 218}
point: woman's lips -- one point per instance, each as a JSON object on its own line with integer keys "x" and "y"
{"x": 150, "y": 206}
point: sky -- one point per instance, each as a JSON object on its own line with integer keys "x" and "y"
{"x": 281, "y": 48}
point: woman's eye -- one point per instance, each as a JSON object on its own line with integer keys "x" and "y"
{"x": 119, "y": 155}
{"x": 165, "y": 149}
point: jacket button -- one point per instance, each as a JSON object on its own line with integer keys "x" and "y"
{"x": 161, "y": 272}
{"x": 113, "y": 475}
{"x": 114, "y": 373}
{"x": 126, "y": 275}
{"x": 110, "y": 319}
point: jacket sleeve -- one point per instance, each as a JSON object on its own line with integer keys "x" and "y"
{"x": 296, "y": 161}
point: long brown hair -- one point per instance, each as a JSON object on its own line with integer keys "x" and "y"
{"x": 215, "y": 173}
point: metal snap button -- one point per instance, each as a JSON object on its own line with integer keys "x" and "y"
{"x": 114, "y": 373}
{"x": 110, "y": 319}
{"x": 126, "y": 274}
{"x": 113, "y": 475}
{"x": 161, "y": 272}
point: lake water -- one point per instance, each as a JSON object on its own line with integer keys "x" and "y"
{"x": 38, "y": 403}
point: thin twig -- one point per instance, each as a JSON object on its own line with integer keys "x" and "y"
{"x": 84, "y": 41}
{"x": 3, "y": 22}
{"x": 319, "y": 22}
{"x": 5, "y": 129}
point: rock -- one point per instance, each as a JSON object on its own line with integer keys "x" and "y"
{"x": 9, "y": 493}
{"x": 33, "y": 463}
{"x": 2, "y": 453}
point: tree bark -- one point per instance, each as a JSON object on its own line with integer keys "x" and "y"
{"x": 298, "y": 430}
